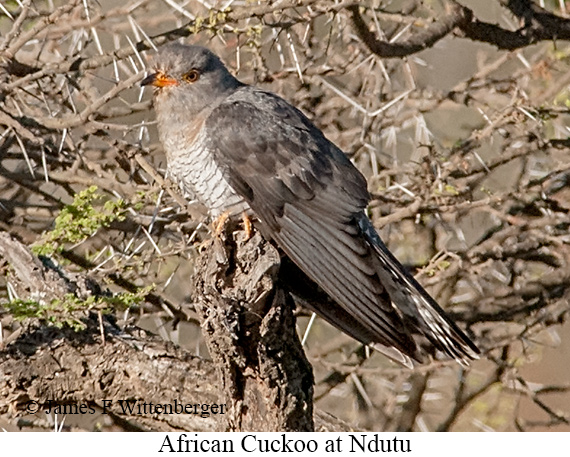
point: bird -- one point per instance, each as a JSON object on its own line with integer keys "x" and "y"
{"x": 240, "y": 149}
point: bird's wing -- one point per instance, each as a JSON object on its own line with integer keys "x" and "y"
{"x": 423, "y": 316}
{"x": 309, "y": 197}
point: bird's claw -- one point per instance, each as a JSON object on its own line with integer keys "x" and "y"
{"x": 247, "y": 226}
{"x": 220, "y": 223}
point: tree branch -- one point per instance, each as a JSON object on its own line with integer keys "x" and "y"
{"x": 420, "y": 41}
{"x": 540, "y": 25}
{"x": 248, "y": 324}
{"x": 265, "y": 381}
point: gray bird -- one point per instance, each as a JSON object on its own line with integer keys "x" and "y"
{"x": 238, "y": 148}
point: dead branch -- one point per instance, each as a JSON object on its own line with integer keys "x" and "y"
{"x": 464, "y": 147}
{"x": 263, "y": 379}
{"x": 540, "y": 25}
{"x": 248, "y": 323}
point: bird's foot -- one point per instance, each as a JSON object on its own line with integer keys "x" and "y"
{"x": 219, "y": 237}
{"x": 247, "y": 226}
{"x": 218, "y": 231}
{"x": 219, "y": 224}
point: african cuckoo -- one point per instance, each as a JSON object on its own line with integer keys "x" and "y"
{"x": 238, "y": 148}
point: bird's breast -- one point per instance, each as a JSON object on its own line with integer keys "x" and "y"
{"x": 192, "y": 165}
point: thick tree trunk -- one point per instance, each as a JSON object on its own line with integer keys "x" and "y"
{"x": 260, "y": 374}
{"x": 249, "y": 326}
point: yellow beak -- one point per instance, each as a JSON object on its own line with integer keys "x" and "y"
{"x": 159, "y": 79}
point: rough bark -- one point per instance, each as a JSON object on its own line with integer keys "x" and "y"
{"x": 249, "y": 326}
{"x": 46, "y": 367}
{"x": 263, "y": 378}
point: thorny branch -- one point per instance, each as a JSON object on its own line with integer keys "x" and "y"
{"x": 538, "y": 25}
{"x": 466, "y": 157}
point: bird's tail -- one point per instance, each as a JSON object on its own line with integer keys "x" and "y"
{"x": 428, "y": 323}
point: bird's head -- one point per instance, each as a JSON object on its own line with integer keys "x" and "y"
{"x": 188, "y": 78}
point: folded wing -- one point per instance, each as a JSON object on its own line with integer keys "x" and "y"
{"x": 311, "y": 200}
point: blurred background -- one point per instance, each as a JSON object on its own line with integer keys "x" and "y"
{"x": 464, "y": 145}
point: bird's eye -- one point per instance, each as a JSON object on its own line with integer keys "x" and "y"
{"x": 192, "y": 76}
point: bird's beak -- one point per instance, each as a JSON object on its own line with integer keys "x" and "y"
{"x": 159, "y": 79}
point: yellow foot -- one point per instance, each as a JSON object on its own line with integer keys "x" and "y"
{"x": 247, "y": 226}
{"x": 220, "y": 223}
